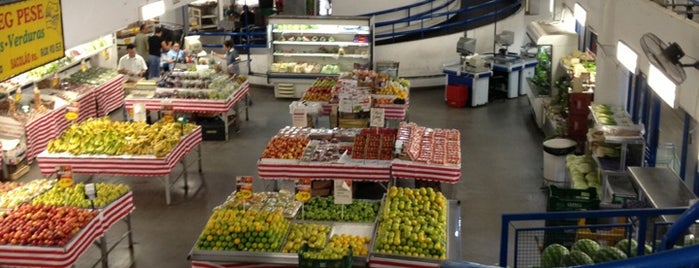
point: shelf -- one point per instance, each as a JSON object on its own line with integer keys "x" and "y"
{"x": 299, "y": 75}
{"x": 208, "y": 16}
{"x": 661, "y": 188}
{"x": 359, "y": 32}
{"x": 311, "y": 43}
{"x": 609, "y": 165}
{"x": 324, "y": 55}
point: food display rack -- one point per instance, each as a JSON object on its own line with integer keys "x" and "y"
{"x": 359, "y": 170}
{"x": 87, "y": 104}
{"x": 220, "y": 107}
{"x": 406, "y": 169}
{"x": 110, "y": 95}
{"x": 129, "y": 165}
{"x": 52, "y": 256}
{"x": 119, "y": 210}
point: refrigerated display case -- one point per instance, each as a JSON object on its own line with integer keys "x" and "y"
{"x": 304, "y": 48}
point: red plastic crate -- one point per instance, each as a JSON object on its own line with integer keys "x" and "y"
{"x": 578, "y": 103}
{"x": 457, "y": 95}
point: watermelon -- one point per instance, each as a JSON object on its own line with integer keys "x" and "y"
{"x": 628, "y": 246}
{"x": 553, "y": 255}
{"x": 587, "y": 246}
{"x": 605, "y": 254}
{"x": 577, "y": 257}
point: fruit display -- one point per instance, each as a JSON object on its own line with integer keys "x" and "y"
{"x": 205, "y": 85}
{"x": 91, "y": 76}
{"x": 431, "y": 145}
{"x": 240, "y": 230}
{"x": 587, "y": 251}
{"x": 583, "y": 172}
{"x": 413, "y": 222}
{"x": 41, "y": 225}
{"x": 579, "y": 59}
{"x": 321, "y": 90}
{"x": 103, "y": 136}
{"x": 8, "y": 186}
{"x": 24, "y": 192}
{"x": 324, "y": 150}
{"x": 313, "y": 234}
{"x": 325, "y": 209}
{"x": 74, "y": 196}
{"x": 304, "y": 67}
{"x": 264, "y": 201}
{"x": 359, "y": 244}
{"x": 328, "y": 253}
{"x": 285, "y": 147}
{"x": 377, "y": 143}
{"x": 394, "y": 88}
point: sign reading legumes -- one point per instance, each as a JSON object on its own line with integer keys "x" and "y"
{"x": 31, "y": 35}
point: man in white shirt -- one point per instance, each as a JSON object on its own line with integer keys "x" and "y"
{"x": 132, "y": 64}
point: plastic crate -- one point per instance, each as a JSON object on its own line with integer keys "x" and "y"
{"x": 572, "y": 199}
{"x": 345, "y": 262}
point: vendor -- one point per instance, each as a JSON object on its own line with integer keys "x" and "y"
{"x": 232, "y": 58}
{"x": 175, "y": 55}
{"x": 132, "y": 64}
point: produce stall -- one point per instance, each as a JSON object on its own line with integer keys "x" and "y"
{"x": 201, "y": 92}
{"x": 108, "y": 87}
{"x": 152, "y": 153}
{"x": 321, "y": 232}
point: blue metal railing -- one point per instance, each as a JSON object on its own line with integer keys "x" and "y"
{"x": 425, "y": 14}
{"x": 662, "y": 258}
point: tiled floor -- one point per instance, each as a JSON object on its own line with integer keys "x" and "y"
{"x": 501, "y": 167}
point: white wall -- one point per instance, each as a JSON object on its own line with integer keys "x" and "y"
{"x": 356, "y": 7}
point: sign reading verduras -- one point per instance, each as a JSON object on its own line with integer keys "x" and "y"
{"x": 31, "y": 35}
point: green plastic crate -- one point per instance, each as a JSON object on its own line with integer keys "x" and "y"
{"x": 572, "y": 199}
{"x": 345, "y": 262}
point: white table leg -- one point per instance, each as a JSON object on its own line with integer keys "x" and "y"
{"x": 167, "y": 189}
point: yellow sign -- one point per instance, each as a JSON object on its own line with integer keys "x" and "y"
{"x": 65, "y": 182}
{"x": 70, "y": 116}
{"x": 32, "y": 35}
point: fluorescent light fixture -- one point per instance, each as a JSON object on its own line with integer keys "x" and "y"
{"x": 662, "y": 85}
{"x": 152, "y": 10}
{"x": 626, "y": 56}
{"x": 551, "y": 2}
{"x": 580, "y": 14}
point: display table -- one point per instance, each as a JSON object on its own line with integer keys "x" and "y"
{"x": 87, "y": 104}
{"x": 221, "y": 107}
{"x": 52, "y": 256}
{"x": 477, "y": 80}
{"x": 360, "y": 170}
{"x": 404, "y": 169}
{"x": 110, "y": 95}
{"x": 146, "y": 166}
{"x": 661, "y": 188}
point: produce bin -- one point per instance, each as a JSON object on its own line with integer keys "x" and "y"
{"x": 345, "y": 262}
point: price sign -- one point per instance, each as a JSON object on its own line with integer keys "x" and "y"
{"x": 342, "y": 192}
{"x": 167, "y": 110}
{"x": 90, "y": 191}
{"x": 378, "y": 117}
{"x": 299, "y": 117}
{"x": 303, "y": 190}
{"x": 18, "y": 95}
{"x": 138, "y": 113}
{"x": 64, "y": 174}
{"x": 243, "y": 185}
{"x": 346, "y": 106}
{"x": 72, "y": 111}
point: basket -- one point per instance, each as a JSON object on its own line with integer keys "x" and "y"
{"x": 572, "y": 199}
{"x": 345, "y": 262}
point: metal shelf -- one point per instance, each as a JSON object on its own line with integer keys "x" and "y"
{"x": 312, "y": 43}
{"x": 324, "y": 55}
{"x": 321, "y": 31}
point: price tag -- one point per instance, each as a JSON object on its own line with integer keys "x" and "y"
{"x": 378, "y": 117}
{"x": 167, "y": 110}
{"x": 346, "y": 106}
{"x": 90, "y": 191}
{"x": 72, "y": 111}
{"x": 138, "y": 113}
{"x": 303, "y": 190}
{"x": 342, "y": 192}
{"x": 243, "y": 185}
{"x": 64, "y": 174}
{"x": 18, "y": 95}
{"x": 299, "y": 117}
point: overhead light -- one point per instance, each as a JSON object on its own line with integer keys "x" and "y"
{"x": 662, "y": 85}
{"x": 551, "y": 6}
{"x": 626, "y": 56}
{"x": 152, "y": 10}
{"x": 580, "y": 14}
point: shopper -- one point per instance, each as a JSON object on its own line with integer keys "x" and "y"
{"x": 141, "y": 41}
{"x": 156, "y": 46}
{"x": 132, "y": 64}
{"x": 247, "y": 18}
{"x": 173, "y": 56}
{"x": 231, "y": 57}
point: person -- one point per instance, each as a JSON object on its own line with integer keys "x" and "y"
{"x": 174, "y": 55}
{"x": 141, "y": 41}
{"x": 247, "y": 18}
{"x": 132, "y": 64}
{"x": 231, "y": 57}
{"x": 156, "y": 46}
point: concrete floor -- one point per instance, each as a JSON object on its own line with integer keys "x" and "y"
{"x": 501, "y": 173}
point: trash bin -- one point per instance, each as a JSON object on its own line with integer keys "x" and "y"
{"x": 555, "y": 151}
{"x": 387, "y": 67}
{"x": 457, "y": 95}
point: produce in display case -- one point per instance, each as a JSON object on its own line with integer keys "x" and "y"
{"x": 92, "y": 76}
{"x": 289, "y": 143}
{"x": 103, "y": 136}
{"x": 315, "y": 235}
{"x": 375, "y": 143}
{"x": 264, "y": 201}
{"x": 74, "y": 196}
{"x": 583, "y": 172}
{"x": 358, "y": 243}
{"x": 198, "y": 85}
{"x": 325, "y": 151}
{"x": 612, "y": 116}
{"x": 41, "y": 225}
{"x": 325, "y": 209}
{"x": 24, "y": 192}
{"x": 241, "y": 230}
{"x": 321, "y": 90}
{"x": 413, "y": 222}
{"x": 428, "y": 145}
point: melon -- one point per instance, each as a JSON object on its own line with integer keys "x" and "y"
{"x": 606, "y": 254}
{"x": 553, "y": 255}
{"x": 587, "y": 246}
{"x": 628, "y": 246}
{"x": 577, "y": 257}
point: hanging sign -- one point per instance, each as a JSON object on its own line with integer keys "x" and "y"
{"x": 32, "y": 35}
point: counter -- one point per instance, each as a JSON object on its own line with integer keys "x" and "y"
{"x": 661, "y": 188}
{"x": 511, "y": 65}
